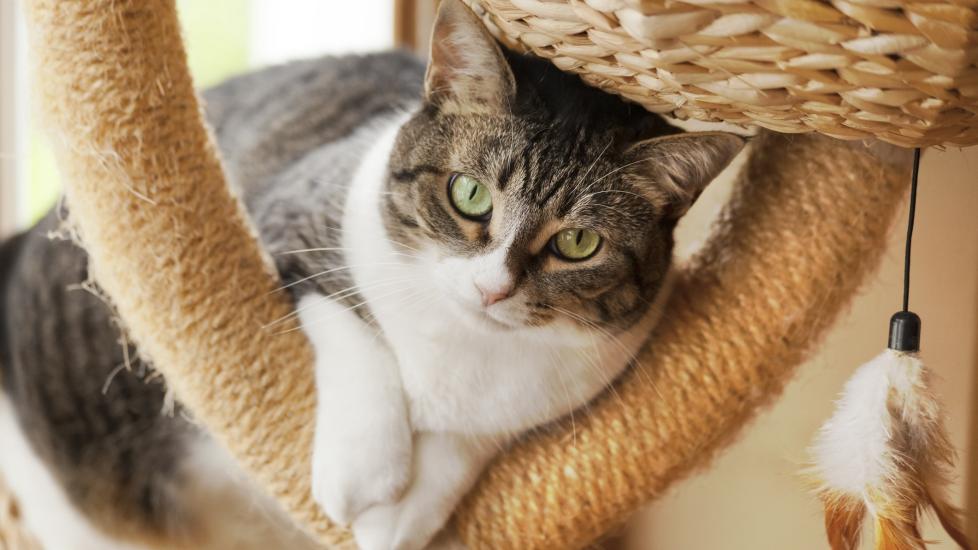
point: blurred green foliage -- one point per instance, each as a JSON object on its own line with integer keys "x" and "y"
{"x": 216, "y": 33}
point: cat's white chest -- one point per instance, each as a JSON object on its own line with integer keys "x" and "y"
{"x": 458, "y": 380}
{"x": 464, "y": 380}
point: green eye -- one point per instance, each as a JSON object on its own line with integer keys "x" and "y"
{"x": 576, "y": 244}
{"x": 470, "y": 197}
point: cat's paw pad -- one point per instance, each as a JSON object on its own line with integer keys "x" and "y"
{"x": 350, "y": 475}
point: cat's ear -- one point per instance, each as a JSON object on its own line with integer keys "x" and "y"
{"x": 466, "y": 68}
{"x": 682, "y": 165}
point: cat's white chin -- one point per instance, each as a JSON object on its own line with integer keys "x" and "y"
{"x": 488, "y": 322}
{"x": 482, "y": 319}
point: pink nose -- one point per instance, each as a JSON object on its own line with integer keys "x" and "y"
{"x": 491, "y": 295}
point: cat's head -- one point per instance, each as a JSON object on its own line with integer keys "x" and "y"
{"x": 534, "y": 198}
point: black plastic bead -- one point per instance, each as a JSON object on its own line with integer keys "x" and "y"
{"x": 905, "y": 331}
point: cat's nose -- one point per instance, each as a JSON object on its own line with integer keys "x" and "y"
{"x": 494, "y": 293}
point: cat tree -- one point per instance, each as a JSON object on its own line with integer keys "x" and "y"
{"x": 174, "y": 253}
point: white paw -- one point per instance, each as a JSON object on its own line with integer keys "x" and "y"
{"x": 357, "y": 467}
{"x": 399, "y": 527}
{"x": 376, "y": 528}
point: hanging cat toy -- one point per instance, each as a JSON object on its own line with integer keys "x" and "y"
{"x": 885, "y": 451}
{"x": 788, "y": 201}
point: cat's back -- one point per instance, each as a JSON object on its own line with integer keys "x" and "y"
{"x": 266, "y": 120}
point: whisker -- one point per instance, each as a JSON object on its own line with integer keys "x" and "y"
{"x": 332, "y": 249}
{"x": 631, "y": 356}
{"x": 306, "y": 250}
{"x": 344, "y": 310}
{"x": 594, "y": 363}
{"x": 339, "y": 295}
{"x": 392, "y": 241}
{"x": 619, "y": 169}
{"x": 327, "y": 272}
{"x": 421, "y": 295}
{"x": 570, "y": 402}
{"x": 596, "y": 159}
{"x": 404, "y": 302}
{"x": 414, "y": 298}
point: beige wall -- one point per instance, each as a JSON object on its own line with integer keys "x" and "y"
{"x": 752, "y": 496}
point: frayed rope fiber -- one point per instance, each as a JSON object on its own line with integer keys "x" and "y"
{"x": 172, "y": 248}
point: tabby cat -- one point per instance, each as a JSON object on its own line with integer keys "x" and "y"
{"x": 474, "y": 250}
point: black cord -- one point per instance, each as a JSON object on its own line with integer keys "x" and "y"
{"x": 913, "y": 210}
{"x": 905, "y": 325}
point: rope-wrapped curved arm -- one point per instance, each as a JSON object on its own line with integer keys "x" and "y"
{"x": 172, "y": 248}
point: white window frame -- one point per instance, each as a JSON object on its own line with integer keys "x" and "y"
{"x": 10, "y": 150}
{"x": 14, "y": 161}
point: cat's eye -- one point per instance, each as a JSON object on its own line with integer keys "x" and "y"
{"x": 575, "y": 244}
{"x": 470, "y": 197}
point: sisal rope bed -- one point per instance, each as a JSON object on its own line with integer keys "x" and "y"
{"x": 150, "y": 202}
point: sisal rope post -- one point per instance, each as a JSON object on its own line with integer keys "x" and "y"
{"x": 168, "y": 243}
{"x": 171, "y": 247}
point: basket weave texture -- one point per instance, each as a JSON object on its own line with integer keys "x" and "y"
{"x": 902, "y": 71}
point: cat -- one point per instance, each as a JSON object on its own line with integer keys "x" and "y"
{"x": 475, "y": 249}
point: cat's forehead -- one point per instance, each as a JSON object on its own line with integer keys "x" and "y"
{"x": 511, "y": 150}
{"x": 557, "y": 172}
{"x": 538, "y": 170}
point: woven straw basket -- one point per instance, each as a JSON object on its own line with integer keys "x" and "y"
{"x": 902, "y": 71}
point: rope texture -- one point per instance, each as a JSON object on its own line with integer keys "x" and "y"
{"x": 171, "y": 247}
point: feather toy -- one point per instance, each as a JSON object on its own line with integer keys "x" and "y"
{"x": 885, "y": 455}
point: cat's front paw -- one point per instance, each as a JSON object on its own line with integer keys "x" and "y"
{"x": 375, "y": 528}
{"x": 378, "y": 528}
{"x": 356, "y": 468}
